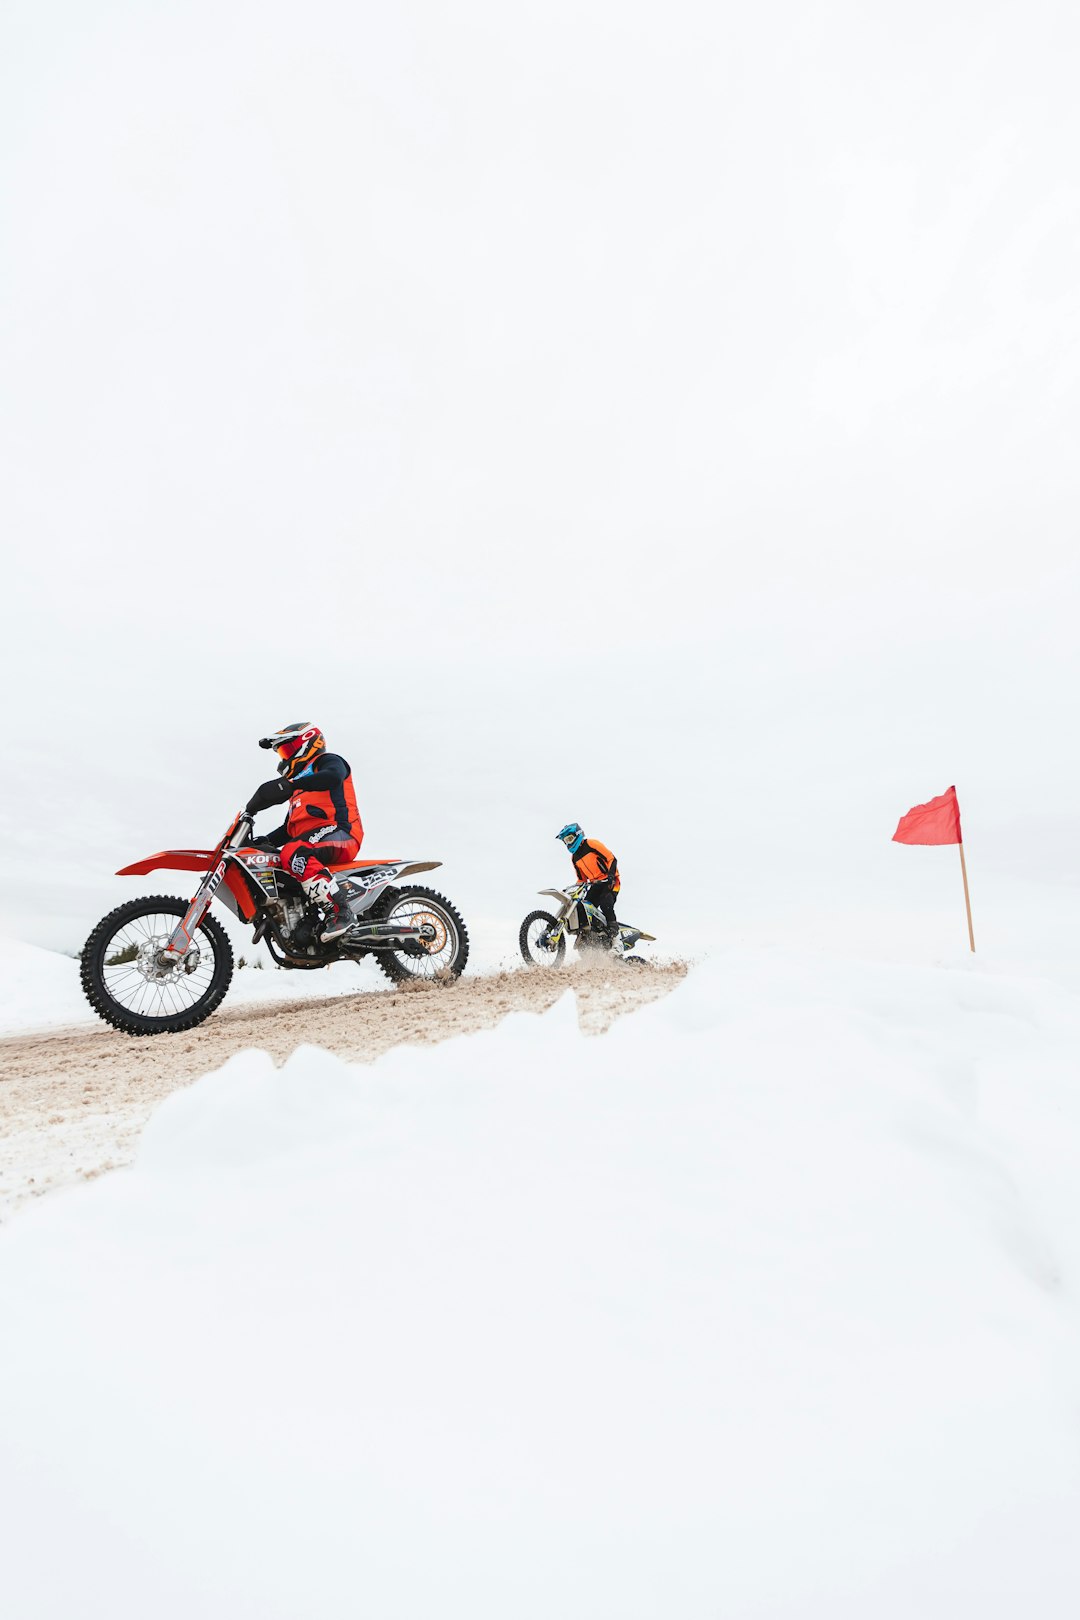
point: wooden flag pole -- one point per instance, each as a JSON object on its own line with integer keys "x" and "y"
{"x": 967, "y": 896}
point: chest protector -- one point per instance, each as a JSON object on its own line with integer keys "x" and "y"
{"x": 334, "y": 806}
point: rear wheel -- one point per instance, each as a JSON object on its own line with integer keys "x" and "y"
{"x": 443, "y": 954}
{"x": 127, "y": 984}
{"x": 534, "y": 937}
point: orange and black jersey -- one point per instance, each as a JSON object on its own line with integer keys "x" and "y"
{"x": 322, "y": 796}
{"x": 594, "y": 863}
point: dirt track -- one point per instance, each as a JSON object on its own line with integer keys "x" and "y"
{"x": 73, "y": 1101}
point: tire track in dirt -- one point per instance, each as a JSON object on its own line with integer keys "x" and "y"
{"x": 74, "y": 1101}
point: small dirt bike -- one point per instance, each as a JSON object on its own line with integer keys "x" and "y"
{"x": 162, "y": 964}
{"x": 542, "y": 937}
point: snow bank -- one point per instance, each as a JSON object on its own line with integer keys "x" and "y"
{"x": 38, "y": 988}
{"x": 762, "y": 1305}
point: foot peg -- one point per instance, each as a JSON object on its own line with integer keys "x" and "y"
{"x": 340, "y": 922}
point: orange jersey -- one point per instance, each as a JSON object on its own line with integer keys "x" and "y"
{"x": 594, "y": 863}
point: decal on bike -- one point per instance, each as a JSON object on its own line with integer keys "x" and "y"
{"x": 373, "y": 880}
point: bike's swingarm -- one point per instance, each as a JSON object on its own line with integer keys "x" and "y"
{"x": 364, "y": 938}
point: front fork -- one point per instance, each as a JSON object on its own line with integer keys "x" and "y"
{"x": 182, "y": 938}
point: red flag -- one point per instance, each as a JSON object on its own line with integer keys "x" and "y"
{"x": 935, "y": 823}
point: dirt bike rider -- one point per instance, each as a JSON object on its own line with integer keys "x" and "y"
{"x": 323, "y": 826}
{"x": 596, "y": 865}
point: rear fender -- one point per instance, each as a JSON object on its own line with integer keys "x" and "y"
{"x": 418, "y": 866}
{"x": 385, "y": 870}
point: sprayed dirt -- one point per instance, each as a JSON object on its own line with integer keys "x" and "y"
{"x": 74, "y": 1101}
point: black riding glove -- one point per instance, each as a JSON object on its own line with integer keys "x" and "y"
{"x": 273, "y": 792}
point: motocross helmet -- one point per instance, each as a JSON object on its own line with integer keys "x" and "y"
{"x": 296, "y": 745}
{"x": 572, "y": 836}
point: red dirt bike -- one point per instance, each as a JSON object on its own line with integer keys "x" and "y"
{"x": 162, "y": 964}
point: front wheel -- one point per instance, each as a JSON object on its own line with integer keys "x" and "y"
{"x": 535, "y": 939}
{"x": 126, "y": 983}
{"x": 442, "y": 954}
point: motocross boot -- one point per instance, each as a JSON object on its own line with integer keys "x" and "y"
{"x": 339, "y": 919}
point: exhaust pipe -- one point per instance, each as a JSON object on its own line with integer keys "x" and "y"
{"x": 388, "y": 935}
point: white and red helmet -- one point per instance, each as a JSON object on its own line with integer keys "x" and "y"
{"x": 297, "y": 746}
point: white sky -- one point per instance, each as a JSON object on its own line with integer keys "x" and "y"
{"x": 660, "y": 416}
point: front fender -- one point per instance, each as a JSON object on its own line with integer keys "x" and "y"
{"x": 175, "y": 860}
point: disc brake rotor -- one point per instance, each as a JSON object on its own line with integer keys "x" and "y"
{"x": 155, "y": 971}
{"x": 437, "y": 938}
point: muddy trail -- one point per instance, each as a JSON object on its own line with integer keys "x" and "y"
{"x": 74, "y": 1101}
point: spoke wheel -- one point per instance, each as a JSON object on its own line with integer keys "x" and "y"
{"x": 442, "y": 954}
{"x": 534, "y": 940}
{"x": 126, "y": 982}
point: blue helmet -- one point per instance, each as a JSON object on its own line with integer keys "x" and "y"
{"x": 572, "y": 836}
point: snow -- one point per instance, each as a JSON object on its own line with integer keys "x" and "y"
{"x": 764, "y": 1304}
{"x": 40, "y": 989}
{"x": 661, "y": 421}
